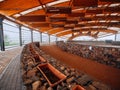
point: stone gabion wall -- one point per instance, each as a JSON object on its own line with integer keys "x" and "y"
{"x": 61, "y": 45}
{"x": 33, "y": 79}
{"x": 102, "y": 54}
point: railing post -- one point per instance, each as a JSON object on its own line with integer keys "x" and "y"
{"x": 2, "y": 35}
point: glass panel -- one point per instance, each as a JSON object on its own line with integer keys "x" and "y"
{"x": 52, "y": 38}
{"x": 84, "y": 38}
{"x": 118, "y": 37}
{"x": 11, "y": 34}
{"x": 26, "y": 36}
{"x": 45, "y": 38}
{"x": 36, "y": 36}
{"x": 61, "y": 39}
{"x": 111, "y": 37}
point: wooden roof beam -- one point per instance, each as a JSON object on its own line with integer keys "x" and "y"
{"x": 55, "y": 30}
{"x": 70, "y": 32}
{"x": 32, "y": 18}
{"x": 78, "y": 35}
{"x": 38, "y": 25}
{"x": 64, "y": 33}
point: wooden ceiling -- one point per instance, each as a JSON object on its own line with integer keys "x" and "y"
{"x": 64, "y": 17}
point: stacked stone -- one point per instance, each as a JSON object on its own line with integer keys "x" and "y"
{"x": 105, "y": 55}
{"x": 74, "y": 77}
{"x": 61, "y": 45}
{"x": 33, "y": 79}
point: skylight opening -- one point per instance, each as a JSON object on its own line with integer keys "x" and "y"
{"x": 1, "y": 0}
{"x": 17, "y": 15}
{"x": 114, "y": 5}
{"x": 56, "y": 2}
{"x": 100, "y": 14}
{"x": 114, "y": 28}
{"x": 68, "y": 35}
{"x": 31, "y": 10}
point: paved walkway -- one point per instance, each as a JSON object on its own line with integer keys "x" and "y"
{"x": 7, "y": 56}
{"x": 11, "y": 78}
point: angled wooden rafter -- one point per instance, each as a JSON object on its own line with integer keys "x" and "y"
{"x": 55, "y": 30}
{"x": 70, "y": 32}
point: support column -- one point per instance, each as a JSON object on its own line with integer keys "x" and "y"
{"x": 49, "y": 39}
{"x": 56, "y": 39}
{"x": 20, "y": 35}
{"x": 31, "y": 35}
{"x": 2, "y": 35}
{"x": 115, "y": 36}
{"x": 41, "y": 37}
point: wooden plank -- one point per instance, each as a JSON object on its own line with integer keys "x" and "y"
{"x": 68, "y": 27}
{"x": 57, "y": 25}
{"x": 40, "y": 24}
{"x": 106, "y": 18}
{"x": 85, "y": 19}
{"x": 80, "y": 25}
{"x": 115, "y": 24}
{"x": 58, "y": 19}
{"x": 32, "y": 18}
{"x": 71, "y": 22}
{"x": 113, "y": 1}
{"x": 76, "y": 14}
{"x": 112, "y": 9}
{"x": 96, "y": 11}
{"x": 85, "y": 3}
{"x": 64, "y": 33}
{"x": 55, "y": 30}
